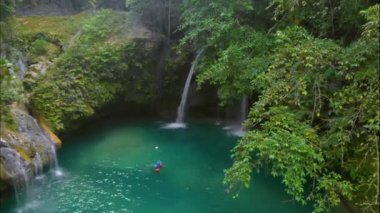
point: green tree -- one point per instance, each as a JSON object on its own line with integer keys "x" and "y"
{"x": 314, "y": 76}
{"x": 7, "y": 9}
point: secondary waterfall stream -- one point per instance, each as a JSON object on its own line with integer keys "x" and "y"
{"x": 22, "y": 171}
{"x": 244, "y": 109}
{"x": 179, "y": 122}
{"x": 21, "y": 65}
{"x": 18, "y": 169}
{"x": 238, "y": 129}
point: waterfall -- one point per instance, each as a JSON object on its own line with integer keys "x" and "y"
{"x": 51, "y": 150}
{"x": 182, "y": 105}
{"x": 238, "y": 130}
{"x": 54, "y": 161}
{"x": 38, "y": 165}
{"x": 17, "y": 170}
{"x": 29, "y": 129}
{"x": 244, "y": 109}
{"x": 22, "y": 68}
{"x": 18, "y": 164}
{"x": 179, "y": 123}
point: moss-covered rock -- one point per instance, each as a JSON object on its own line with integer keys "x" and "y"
{"x": 44, "y": 125}
{"x": 61, "y": 27}
{"x": 21, "y": 150}
{"x": 111, "y": 60}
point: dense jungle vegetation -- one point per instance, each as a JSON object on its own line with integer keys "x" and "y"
{"x": 309, "y": 68}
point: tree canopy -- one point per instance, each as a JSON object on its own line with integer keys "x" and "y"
{"x": 312, "y": 72}
{"x": 310, "y": 69}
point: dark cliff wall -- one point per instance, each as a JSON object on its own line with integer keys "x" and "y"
{"x": 62, "y": 7}
{"x": 48, "y": 7}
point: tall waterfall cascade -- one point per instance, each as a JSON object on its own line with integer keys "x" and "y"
{"x": 179, "y": 122}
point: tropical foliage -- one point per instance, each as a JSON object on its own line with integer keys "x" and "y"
{"x": 93, "y": 73}
{"x": 310, "y": 69}
{"x": 11, "y": 91}
{"x": 313, "y": 80}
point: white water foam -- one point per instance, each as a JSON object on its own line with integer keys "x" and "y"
{"x": 174, "y": 126}
{"x": 235, "y": 130}
{"x": 33, "y": 205}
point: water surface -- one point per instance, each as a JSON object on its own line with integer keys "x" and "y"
{"x": 109, "y": 169}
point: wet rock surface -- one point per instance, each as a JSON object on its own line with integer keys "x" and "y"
{"x": 24, "y": 152}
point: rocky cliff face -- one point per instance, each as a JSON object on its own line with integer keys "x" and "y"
{"x": 127, "y": 69}
{"x": 63, "y": 7}
{"x": 24, "y": 151}
{"x": 47, "y": 7}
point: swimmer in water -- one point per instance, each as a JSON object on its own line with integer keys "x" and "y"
{"x": 157, "y": 166}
